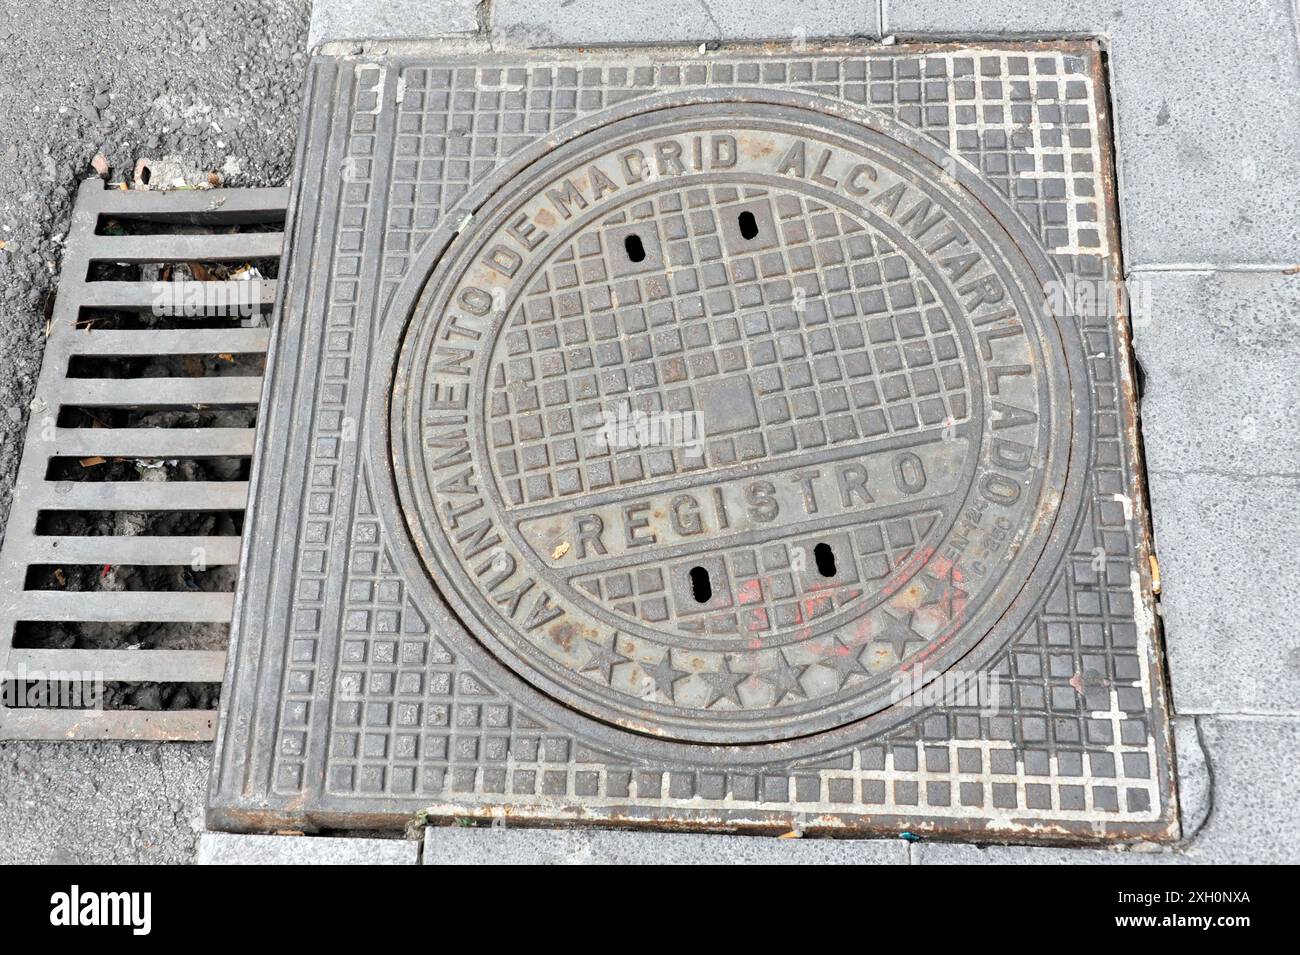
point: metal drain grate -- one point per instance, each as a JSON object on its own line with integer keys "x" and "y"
{"x": 105, "y": 388}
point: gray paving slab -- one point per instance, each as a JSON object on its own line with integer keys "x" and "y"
{"x": 1220, "y": 355}
{"x": 542, "y": 23}
{"x": 101, "y": 803}
{"x": 1228, "y": 548}
{"x": 390, "y": 19}
{"x": 1252, "y": 818}
{"x": 936, "y": 853}
{"x": 1208, "y": 112}
{"x": 224, "y": 848}
{"x": 453, "y": 845}
{"x": 1221, "y": 425}
{"x": 1255, "y": 765}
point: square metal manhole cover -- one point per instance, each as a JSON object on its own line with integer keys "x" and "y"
{"x": 741, "y": 439}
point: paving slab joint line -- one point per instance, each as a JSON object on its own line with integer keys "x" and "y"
{"x": 500, "y": 41}
{"x": 708, "y": 13}
{"x": 901, "y": 38}
{"x": 1209, "y": 268}
{"x": 913, "y": 847}
{"x": 1227, "y": 476}
{"x": 1190, "y": 837}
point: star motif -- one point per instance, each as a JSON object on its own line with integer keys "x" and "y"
{"x": 897, "y": 633}
{"x": 944, "y": 592}
{"x": 844, "y": 661}
{"x": 723, "y": 683}
{"x": 664, "y": 674}
{"x": 603, "y": 659}
{"x": 784, "y": 679}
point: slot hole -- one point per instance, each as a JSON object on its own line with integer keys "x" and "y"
{"x": 233, "y": 415}
{"x": 748, "y": 225}
{"x": 154, "y": 578}
{"x": 139, "y": 523}
{"x": 101, "y": 468}
{"x": 635, "y": 250}
{"x": 91, "y": 320}
{"x": 225, "y": 365}
{"x": 825, "y": 558}
{"x": 701, "y": 586}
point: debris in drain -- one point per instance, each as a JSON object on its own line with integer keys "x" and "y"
{"x": 110, "y": 577}
{"x": 117, "y": 559}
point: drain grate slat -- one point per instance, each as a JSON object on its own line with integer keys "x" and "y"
{"x": 163, "y": 551}
{"x": 133, "y": 478}
{"x": 82, "y": 724}
{"x": 153, "y": 442}
{"x": 143, "y": 666}
{"x": 199, "y": 207}
{"x": 171, "y": 342}
{"x": 163, "y": 392}
{"x": 122, "y": 607}
{"x": 136, "y": 296}
{"x": 136, "y": 249}
{"x": 142, "y": 496}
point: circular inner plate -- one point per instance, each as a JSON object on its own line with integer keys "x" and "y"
{"x": 722, "y": 420}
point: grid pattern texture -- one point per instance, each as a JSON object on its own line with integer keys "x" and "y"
{"x": 1077, "y": 736}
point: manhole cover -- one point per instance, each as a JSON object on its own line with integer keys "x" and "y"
{"x": 736, "y": 364}
{"x": 723, "y": 440}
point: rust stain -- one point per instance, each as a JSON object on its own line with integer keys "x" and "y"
{"x": 753, "y": 147}
{"x": 564, "y": 633}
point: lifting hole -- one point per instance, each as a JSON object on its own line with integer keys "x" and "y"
{"x": 748, "y": 225}
{"x": 701, "y": 586}
{"x": 825, "y": 558}
{"x": 635, "y": 250}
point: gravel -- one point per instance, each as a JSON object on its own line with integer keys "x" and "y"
{"x": 101, "y": 803}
